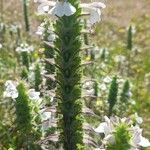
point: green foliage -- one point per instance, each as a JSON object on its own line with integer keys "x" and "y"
{"x": 68, "y": 76}
{"x": 25, "y": 59}
{"x": 6, "y": 133}
{"x": 86, "y": 40}
{"x": 49, "y": 54}
{"x": 121, "y": 137}
{"x": 24, "y": 73}
{"x": 112, "y": 97}
{"x": 92, "y": 55}
{"x": 123, "y": 103}
{"x": 129, "y": 39}
{"x": 95, "y": 87}
{"x": 38, "y": 78}
{"x": 103, "y": 55}
{"x": 124, "y": 97}
{"x": 85, "y": 36}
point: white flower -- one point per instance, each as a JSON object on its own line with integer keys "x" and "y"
{"x": 129, "y": 94}
{"x": 62, "y": 9}
{"x": 120, "y": 58}
{"x": 24, "y": 47}
{"x": 46, "y": 119}
{"x": 94, "y": 10}
{"x": 33, "y": 95}
{"x": 46, "y": 115}
{"x": 11, "y": 93}
{"x": 109, "y": 139}
{"x": 133, "y": 102}
{"x": 101, "y": 128}
{"x": 40, "y": 30}
{"x": 144, "y": 142}
{"x": 88, "y": 88}
{"x": 51, "y": 37}
{"x": 103, "y": 87}
{"x": 10, "y": 90}
{"x": 137, "y": 138}
{"x": 44, "y": 6}
{"x": 138, "y": 119}
{"x": 147, "y": 79}
{"x": 110, "y": 125}
{"x": 107, "y": 79}
{"x": 105, "y": 127}
{"x": 99, "y": 149}
{"x": 1, "y": 45}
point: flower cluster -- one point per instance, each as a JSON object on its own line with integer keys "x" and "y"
{"x": 43, "y": 30}
{"x": 110, "y": 127}
{"x": 12, "y": 92}
{"x": 24, "y": 47}
{"x": 64, "y": 8}
{"x": 33, "y": 95}
{"x": 46, "y": 120}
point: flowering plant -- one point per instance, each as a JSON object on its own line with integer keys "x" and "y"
{"x": 121, "y": 134}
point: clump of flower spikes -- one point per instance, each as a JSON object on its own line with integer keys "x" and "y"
{"x": 121, "y": 134}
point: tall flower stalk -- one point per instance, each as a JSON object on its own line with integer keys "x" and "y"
{"x": 25, "y": 135}
{"x": 25, "y": 12}
{"x": 23, "y": 116}
{"x": 68, "y": 76}
{"x": 38, "y": 78}
{"x": 1, "y": 8}
{"x": 112, "y": 97}
{"x": 67, "y": 46}
{"x": 25, "y": 59}
{"x": 129, "y": 38}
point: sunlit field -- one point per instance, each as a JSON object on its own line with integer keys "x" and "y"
{"x": 74, "y": 75}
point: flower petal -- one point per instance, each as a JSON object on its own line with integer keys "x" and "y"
{"x": 144, "y": 142}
